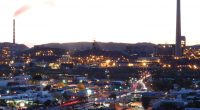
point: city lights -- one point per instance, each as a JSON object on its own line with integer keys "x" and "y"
{"x": 145, "y": 75}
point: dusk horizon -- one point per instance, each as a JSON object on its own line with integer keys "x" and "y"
{"x": 32, "y": 45}
{"x": 39, "y": 22}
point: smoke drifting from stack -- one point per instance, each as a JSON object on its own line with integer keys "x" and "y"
{"x": 26, "y": 7}
{"x": 21, "y": 10}
{"x": 50, "y": 2}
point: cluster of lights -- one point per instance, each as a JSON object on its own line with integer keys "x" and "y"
{"x": 96, "y": 60}
{"x": 54, "y": 66}
{"x": 166, "y": 66}
{"x": 45, "y": 53}
{"x": 192, "y": 53}
{"x": 193, "y": 67}
{"x": 91, "y": 59}
{"x": 66, "y": 59}
{"x": 123, "y": 59}
{"x": 6, "y": 55}
{"x": 165, "y": 46}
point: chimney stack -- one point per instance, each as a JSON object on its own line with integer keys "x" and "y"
{"x": 13, "y": 48}
{"x": 178, "y": 49}
{"x": 13, "y": 31}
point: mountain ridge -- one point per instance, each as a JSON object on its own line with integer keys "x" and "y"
{"x": 108, "y": 46}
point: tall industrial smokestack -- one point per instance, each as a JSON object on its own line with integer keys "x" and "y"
{"x": 13, "y": 31}
{"x": 13, "y": 48}
{"x": 178, "y": 49}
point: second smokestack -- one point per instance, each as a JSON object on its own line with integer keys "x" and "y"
{"x": 13, "y": 31}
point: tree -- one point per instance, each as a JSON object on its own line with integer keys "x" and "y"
{"x": 3, "y": 103}
{"x": 145, "y": 102}
{"x": 37, "y": 77}
{"x": 81, "y": 86}
{"x": 113, "y": 95}
{"x": 47, "y": 103}
{"x": 48, "y": 87}
{"x": 67, "y": 96}
{"x": 168, "y": 106}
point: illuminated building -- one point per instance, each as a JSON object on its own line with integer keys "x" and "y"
{"x": 183, "y": 44}
{"x": 54, "y": 66}
{"x": 165, "y": 50}
{"x": 108, "y": 63}
{"x": 65, "y": 59}
{"x": 6, "y": 55}
{"x": 183, "y": 41}
{"x": 146, "y": 61}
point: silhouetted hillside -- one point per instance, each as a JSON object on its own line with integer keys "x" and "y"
{"x": 141, "y": 49}
{"x": 195, "y": 46}
{"x": 18, "y": 47}
{"x": 104, "y": 46}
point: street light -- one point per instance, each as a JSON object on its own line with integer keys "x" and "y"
{"x": 108, "y": 76}
{"x": 107, "y": 71}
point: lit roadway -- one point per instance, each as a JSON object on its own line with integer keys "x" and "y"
{"x": 121, "y": 96}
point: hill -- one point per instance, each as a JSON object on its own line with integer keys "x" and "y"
{"x": 110, "y": 46}
{"x": 18, "y": 47}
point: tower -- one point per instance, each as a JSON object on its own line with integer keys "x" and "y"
{"x": 178, "y": 49}
{"x": 13, "y": 48}
{"x": 95, "y": 46}
{"x": 13, "y": 31}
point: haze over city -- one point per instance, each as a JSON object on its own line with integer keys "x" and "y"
{"x": 128, "y": 21}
